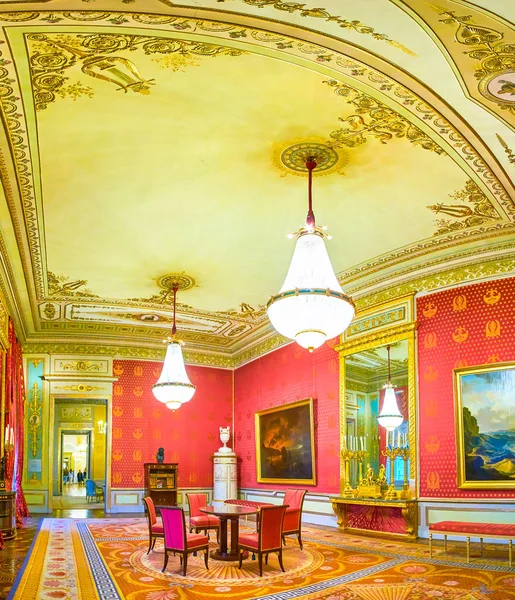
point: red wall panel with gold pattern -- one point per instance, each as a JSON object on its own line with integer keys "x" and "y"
{"x": 286, "y": 375}
{"x": 466, "y": 326}
{"x": 189, "y": 435}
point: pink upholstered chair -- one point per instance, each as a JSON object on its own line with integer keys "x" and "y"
{"x": 199, "y": 521}
{"x": 155, "y": 529}
{"x": 177, "y": 540}
{"x": 268, "y": 538}
{"x": 293, "y": 517}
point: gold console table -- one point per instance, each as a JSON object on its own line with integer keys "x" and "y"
{"x": 377, "y": 516}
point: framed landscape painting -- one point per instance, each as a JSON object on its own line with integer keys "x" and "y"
{"x": 285, "y": 444}
{"x": 485, "y": 419}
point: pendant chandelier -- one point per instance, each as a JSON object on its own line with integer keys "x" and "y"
{"x": 390, "y": 416}
{"x": 311, "y": 307}
{"x": 173, "y": 387}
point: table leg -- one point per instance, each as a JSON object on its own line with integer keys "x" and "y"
{"x": 224, "y": 553}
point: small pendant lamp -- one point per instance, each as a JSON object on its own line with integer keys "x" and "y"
{"x": 173, "y": 387}
{"x": 311, "y": 307}
{"x": 390, "y": 416}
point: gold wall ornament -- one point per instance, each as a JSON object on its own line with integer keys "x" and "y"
{"x": 460, "y": 335}
{"x": 493, "y": 328}
{"x": 373, "y": 119}
{"x": 51, "y": 56}
{"x": 492, "y": 297}
{"x": 76, "y": 413}
{"x": 507, "y": 149}
{"x": 319, "y": 13}
{"x": 459, "y": 303}
{"x": 481, "y": 211}
{"x": 80, "y": 387}
{"x": 35, "y": 407}
{"x": 81, "y": 366}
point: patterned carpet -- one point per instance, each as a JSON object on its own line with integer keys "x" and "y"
{"x": 107, "y": 559}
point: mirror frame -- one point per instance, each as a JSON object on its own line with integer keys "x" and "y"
{"x": 371, "y": 329}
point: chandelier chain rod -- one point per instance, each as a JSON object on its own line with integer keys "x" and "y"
{"x": 389, "y": 377}
{"x": 174, "y": 327}
{"x": 310, "y": 165}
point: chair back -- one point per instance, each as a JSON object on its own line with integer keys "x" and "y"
{"x": 150, "y": 510}
{"x": 196, "y": 502}
{"x": 90, "y": 487}
{"x": 294, "y": 498}
{"x": 174, "y": 527}
{"x": 271, "y": 526}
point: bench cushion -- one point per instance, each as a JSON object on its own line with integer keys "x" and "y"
{"x": 481, "y": 529}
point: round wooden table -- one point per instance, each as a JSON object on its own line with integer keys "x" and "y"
{"x": 228, "y": 512}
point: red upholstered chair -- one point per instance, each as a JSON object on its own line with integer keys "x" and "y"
{"x": 293, "y": 517}
{"x": 268, "y": 538}
{"x": 199, "y": 521}
{"x": 177, "y": 540}
{"x": 155, "y": 529}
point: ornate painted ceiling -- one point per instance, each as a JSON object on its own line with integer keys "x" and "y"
{"x": 145, "y": 141}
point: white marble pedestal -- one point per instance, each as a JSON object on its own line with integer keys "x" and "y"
{"x": 225, "y": 476}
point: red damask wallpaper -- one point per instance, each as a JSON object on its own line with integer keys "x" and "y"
{"x": 286, "y": 375}
{"x": 189, "y": 435}
{"x": 466, "y": 326}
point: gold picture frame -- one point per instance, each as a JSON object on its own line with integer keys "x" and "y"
{"x": 485, "y": 425}
{"x": 285, "y": 444}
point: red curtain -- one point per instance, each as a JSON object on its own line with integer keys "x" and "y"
{"x": 14, "y": 416}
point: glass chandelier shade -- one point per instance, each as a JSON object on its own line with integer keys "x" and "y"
{"x": 173, "y": 387}
{"x": 390, "y": 416}
{"x": 310, "y": 307}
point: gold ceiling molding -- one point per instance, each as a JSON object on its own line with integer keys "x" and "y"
{"x": 507, "y": 149}
{"x": 382, "y": 123}
{"x": 128, "y": 352}
{"x": 446, "y": 278}
{"x": 479, "y": 46}
{"x": 51, "y": 56}
{"x": 317, "y": 13}
{"x": 487, "y": 231}
{"x": 481, "y": 211}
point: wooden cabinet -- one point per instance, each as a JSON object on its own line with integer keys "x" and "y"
{"x": 8, "y": 514}
{"x": 161, "y": 483}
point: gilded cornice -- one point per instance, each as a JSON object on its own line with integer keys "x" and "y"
{"x": 138, "y": 353}
{"x": 316, "y": 13}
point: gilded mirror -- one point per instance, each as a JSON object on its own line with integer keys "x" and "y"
{"x": 363, "y": 374}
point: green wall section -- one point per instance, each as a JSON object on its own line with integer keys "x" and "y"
{"x": 34, "y": 421}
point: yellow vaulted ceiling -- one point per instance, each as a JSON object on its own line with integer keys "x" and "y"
{"x": 146, "y": 139}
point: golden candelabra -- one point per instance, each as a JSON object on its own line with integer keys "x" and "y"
{"x": 361, "y": 455}
{"x": 404, "y": 453}
{"x": 347, "y": 456}
{"x": 392, "y": 453}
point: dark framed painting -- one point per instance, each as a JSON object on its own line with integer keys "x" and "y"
{"x": 285, "y": 444}
{"x": 485, "y": 426}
